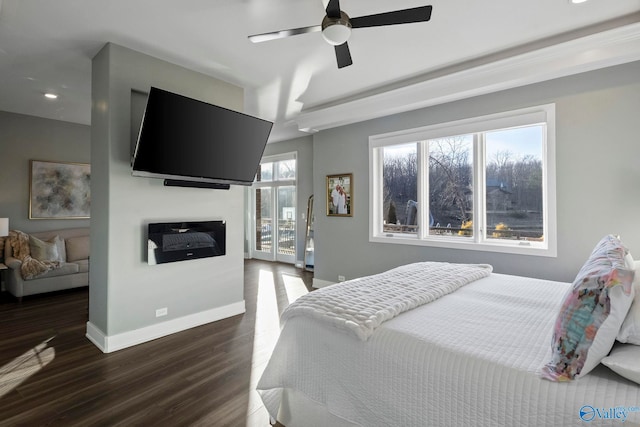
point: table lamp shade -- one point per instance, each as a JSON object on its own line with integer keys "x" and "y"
{"x": 4, "y": 227}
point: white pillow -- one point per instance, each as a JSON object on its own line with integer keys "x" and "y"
{"x": 625, "y": 361}
{"x": 629, "y": 261}
{"x": 630, "y": 330}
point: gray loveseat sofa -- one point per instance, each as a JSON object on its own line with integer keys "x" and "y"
{"x": 72, "y": 273}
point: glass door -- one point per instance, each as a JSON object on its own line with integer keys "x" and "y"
{"x": 263, "y": 244}
{"x": 286, "y": 202}
{"x": 274, "y": 201}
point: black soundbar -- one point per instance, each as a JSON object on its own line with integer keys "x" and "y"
{"x": 195, "y": 184}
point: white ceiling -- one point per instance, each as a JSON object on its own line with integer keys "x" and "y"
{"x": 47, "y": 45}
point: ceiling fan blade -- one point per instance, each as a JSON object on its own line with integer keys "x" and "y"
{"x": 343, "y": 55}
{"x": 257, "y": 38}
{"x": 333, "y": 9}
{"x": 405, "y": 16}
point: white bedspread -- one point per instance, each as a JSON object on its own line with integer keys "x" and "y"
{"x": 359, "y": 306}
{"x": 467, "y": 359}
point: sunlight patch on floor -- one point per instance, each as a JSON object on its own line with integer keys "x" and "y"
{"x": 267, "y": 330}
{"x": 294, "y": 287}
{"x": 24, "y": 366}
{"x": 267, "y": 318}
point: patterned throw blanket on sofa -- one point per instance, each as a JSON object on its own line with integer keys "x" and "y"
{"x": 30, "y": 267}
{"x": 359, "y": 306}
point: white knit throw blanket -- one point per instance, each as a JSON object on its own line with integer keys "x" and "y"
{"x": 359, "y": 306}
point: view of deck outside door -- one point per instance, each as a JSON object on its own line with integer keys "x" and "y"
{"x": 274, "y": 200}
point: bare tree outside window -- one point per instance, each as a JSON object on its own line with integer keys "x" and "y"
{"x": 484, "y": 183}
{"x": 400, "y": 186}
{"x": 286, "y": 169}
{"x": 451, "y": 185}
{"x": 513, "y": 192}
{"x": 514, "y": 184}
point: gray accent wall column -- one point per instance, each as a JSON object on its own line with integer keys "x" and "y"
{"x": 125, "y": 291}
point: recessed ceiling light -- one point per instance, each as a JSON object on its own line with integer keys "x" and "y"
{"x": 50, "y": 95}
{"x": 578, "y": 1}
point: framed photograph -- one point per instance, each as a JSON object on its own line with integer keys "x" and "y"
{"x": 59, "y": 190}
{"x": 340, "y": 195}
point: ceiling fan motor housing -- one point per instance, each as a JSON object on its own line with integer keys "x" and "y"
{"x": 336, "y": 31}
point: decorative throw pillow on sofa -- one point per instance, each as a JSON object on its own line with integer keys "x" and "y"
{"x": 77, "y": 248}
{"x": 592, "y": 312}
{"x": 62, "y": 252}
{"x": 44, "y": 251}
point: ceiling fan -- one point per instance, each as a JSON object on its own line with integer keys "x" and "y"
{"x": 336, "y": 27}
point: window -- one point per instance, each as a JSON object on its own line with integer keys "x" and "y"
{"x": 486, "y": 183}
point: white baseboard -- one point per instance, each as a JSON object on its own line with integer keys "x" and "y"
{"x": 111, "y": 343}
{"x": 317, "y": 283}
{"x": 96, "y": 336}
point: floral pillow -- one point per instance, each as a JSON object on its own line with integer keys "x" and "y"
{"x": 592, "y": 312}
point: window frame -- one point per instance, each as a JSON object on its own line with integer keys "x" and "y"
{"x": 274, "y": 184}
{"x": 275, "y": 181}
{"x": 476, "y": 126}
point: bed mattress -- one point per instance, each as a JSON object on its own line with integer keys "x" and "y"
{"x": 470, "y": 358}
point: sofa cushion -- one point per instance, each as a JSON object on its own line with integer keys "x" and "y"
{"x": 77, "y": 248}
{"x": 63, "y": 270}
{"x": 44, "y": 251}
{"x": 83, "y": 265}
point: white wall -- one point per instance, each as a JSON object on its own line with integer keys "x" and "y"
{"x": 598, "y": 178}
{"x": 124, "y": 291}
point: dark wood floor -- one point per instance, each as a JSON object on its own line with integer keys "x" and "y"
{"x": 50, "y": 374}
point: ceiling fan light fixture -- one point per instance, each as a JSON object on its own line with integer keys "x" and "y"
{"x": 336, "y": 34}
{"x": 336, "y": 31}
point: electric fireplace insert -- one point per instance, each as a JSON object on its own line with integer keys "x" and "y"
{"x": 181, "y": 241}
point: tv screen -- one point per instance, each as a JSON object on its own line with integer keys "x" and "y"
{"x": 185, "y": 139}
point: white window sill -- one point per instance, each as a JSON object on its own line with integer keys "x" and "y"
{"x": 516, "y": 248}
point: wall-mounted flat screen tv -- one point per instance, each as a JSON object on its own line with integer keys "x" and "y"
{"x": 182, "y": 138}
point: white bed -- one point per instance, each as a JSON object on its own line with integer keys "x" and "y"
{"x": 469, "y": 358}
